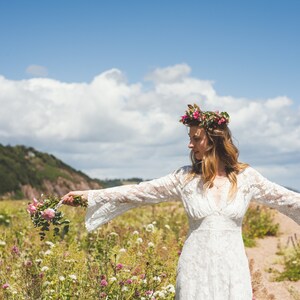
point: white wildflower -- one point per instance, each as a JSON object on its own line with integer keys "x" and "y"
{"x": 62, "y": 278}
{"x": 113, "y": 234}
{"x": 139, "y": 240}
{"x": 135, "y": 232}
{"x": 49, "y": 244}
{"x": 167, "y": 226}
{"x": 154, "y": 222}
{"x": 2, "y": 243}
{"x": 134, "y": 277}
{"x": 139, "y": 254}
{"x": 170, "y": 288}
{"x": 122, "y": 250}
{"x": 112, "y": 279}
{"x": 150, "y": 228}
{"x": 73, "y": 277}
{"x": 157, "y": 278}
{"x": 44, "y": 269}
{"x": 164, "y": 248}
{"x": 46, "y": 283}
{"x": 159, "y": 294}
{"x": 124, "y": 288}
{"x": 150, "y": 245}
{"x": 144, "y": 280}
{"x": 38, "y": 260}
{"x": 127, "y": 270}
{"x": 48, "y": 252}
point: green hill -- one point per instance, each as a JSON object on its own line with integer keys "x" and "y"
{"x": 26, "y": 173}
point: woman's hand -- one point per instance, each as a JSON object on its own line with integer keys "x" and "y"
{"x": 68, "y": 199}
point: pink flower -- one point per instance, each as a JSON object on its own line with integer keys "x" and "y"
{"x": 48, "y": 214}
{"x": 15, "y": 250}
{"x": 129, "y": 281}
{"x": 149, "y": 292}
{"x": 103, "y": 282}
{"x": 5, "y": 286}
{"x": 183, "y": 118}
{"x": 222, "y": 120}
{"x": 32, "y": 207}
{"x": 103, "y": 295}
{"x": 196, "y": 114}
{"x": 119, "y": 266}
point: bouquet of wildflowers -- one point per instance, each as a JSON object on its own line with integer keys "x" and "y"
{"x": 44, "y": 213}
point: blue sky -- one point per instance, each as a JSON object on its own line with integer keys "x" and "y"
{"x": 101, "y": 84}
{"x": 248, "y": 48}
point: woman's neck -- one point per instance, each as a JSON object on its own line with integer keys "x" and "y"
{"x": 221, "y": 169}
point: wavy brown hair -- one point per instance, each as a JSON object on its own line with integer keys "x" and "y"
{"x": 219, "y": 147}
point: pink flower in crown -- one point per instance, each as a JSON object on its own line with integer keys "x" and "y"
{"x": 183, "y": 118}
{"x": 129, "y": 281}
{"x": 196, "y": 114}
{"x": 48, "y": 214}
{"x": 119, "y": 266}
{"x": 222, "y": 120}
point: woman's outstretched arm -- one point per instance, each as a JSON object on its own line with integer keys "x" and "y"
{"x": 275, "y": 195}
{"x": 106, "y": 204}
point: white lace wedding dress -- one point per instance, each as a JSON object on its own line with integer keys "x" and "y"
{"x": 213, "y": 264}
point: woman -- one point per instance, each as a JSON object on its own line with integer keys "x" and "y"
{"x": 216, "y": 191}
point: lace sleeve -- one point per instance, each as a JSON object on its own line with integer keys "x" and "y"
{"x": 275, "y": 196}
{"x": 106, "y": 204}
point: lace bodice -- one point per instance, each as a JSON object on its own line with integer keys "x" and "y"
{"x": 213, "y": 263}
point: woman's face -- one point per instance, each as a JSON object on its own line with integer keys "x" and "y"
{"x": 198, "y": 141}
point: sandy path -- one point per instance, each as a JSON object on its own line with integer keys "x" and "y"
{"x": 264, "y": 256}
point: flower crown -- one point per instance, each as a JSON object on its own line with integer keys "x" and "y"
{"x": 204, "y": 119}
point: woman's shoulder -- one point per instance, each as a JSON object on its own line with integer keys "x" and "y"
{"x": 250, "y": 172}
{"x": 183, "y": 170}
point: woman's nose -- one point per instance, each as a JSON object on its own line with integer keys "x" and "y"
{"x": 190, "y": 145}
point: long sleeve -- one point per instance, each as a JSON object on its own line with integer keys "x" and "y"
{"x": 275, "y": 196}
{"x": 106, "y": 204}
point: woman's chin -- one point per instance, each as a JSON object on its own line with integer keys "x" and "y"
{"x": 198, "y": 157}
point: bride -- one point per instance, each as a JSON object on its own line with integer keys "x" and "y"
{"x": 216, "y": 190}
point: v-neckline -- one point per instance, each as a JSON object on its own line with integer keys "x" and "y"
{"x": 223, "y": 200}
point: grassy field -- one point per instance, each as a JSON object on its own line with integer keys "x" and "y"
{"x": 132, "y": 257}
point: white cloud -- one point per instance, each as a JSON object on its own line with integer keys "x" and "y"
{"x": 110, "y": 128}
{"x": 169, "y": 74}
{"x": 37, "y": 71}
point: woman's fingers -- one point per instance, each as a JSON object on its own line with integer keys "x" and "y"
{"x": 68, "y": 199}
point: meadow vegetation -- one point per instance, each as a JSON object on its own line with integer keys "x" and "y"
{"x": 132, "y": 257}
